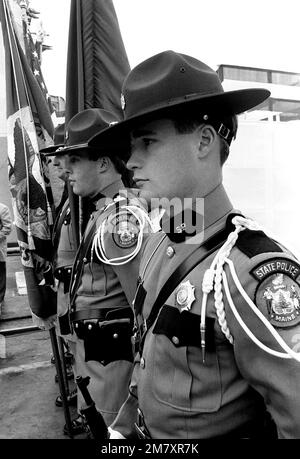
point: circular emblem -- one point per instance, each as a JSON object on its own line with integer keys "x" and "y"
{"x": 182, "y": 296}
{"x": 280, "y": 295}
{"x": 125, "y": 231}
{"x": 185, "y": 296}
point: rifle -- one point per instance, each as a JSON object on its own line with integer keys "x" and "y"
{"x": 89, "y": 411}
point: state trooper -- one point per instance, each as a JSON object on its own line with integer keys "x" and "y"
{"x": 217, "y": 306}
{"x": 105, "y": 269}
{"x": 64, "y": 247}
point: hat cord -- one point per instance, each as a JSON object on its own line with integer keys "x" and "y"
{"x": 215, "y": 276}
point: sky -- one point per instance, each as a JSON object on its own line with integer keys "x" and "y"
{"x": 257, "y": 33}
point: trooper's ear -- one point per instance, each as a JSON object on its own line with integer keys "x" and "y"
{"x": 207, "y": 137}
{"x": 104, "y": 163}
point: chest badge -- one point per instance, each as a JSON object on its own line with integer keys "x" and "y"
{"x": 185, "y": 296}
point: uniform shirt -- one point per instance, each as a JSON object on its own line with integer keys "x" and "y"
{"x": 66, "y": 247}
{"x": 5, "y": 230}
{"x": 104, "y": 349}
{"x": 102, "y": 285}
{"x": 179, "y": 395}
{"x": 65, "y": 250}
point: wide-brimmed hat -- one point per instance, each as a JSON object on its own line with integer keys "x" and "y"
{"x": 58, "y": 139}
{"x": 81, "y": 128}
{"x": 171, "y": 82}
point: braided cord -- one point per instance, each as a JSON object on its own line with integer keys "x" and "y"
{"x": 98, "y": 245}
{"x": 215, "y": 277}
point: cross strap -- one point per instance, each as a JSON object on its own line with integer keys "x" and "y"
{"x": 193, "y": 260}
{"x": 58, "y": 224}
{"x": 79, "y": 261}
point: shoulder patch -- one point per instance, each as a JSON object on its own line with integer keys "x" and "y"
{"x": 125, "y": 230}
{"x": 278, "y": 292}
{"x": 253, "y": 243}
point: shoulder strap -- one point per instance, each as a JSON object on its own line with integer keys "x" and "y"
{"x": 81, "y": 254}
{"x": 194, "y": 259}
{"x": 78, "y": 264}
{"x": 58, "y": 224}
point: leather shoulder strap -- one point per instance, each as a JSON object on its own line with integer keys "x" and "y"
{"x": 58, "y": 224}
{"x": 194, "y": 259}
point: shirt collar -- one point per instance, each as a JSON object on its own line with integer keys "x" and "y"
{"x": 197, "y": 215}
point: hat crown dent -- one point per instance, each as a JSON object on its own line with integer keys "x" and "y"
{"x": 167, "y": 76}
{"x": 88, "y": 123}
{"x": 59, "y": 134}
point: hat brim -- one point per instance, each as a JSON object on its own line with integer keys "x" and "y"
{"x": 50, "y": 151}
{"x": 61, "y": 150}
{"x": 115, "y": 137}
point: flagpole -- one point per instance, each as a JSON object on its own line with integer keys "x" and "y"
{"x": 62, "y": 387}
{"x": 12, "y": 41}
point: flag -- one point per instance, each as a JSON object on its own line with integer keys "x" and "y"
{"x": 29, "y": 128}
{"x": 97, "y": 62}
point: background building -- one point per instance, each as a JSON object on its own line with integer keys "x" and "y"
{"x": 284, "y": 103}
{"x": 263, "y": 168}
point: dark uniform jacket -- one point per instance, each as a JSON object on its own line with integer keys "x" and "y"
{"x": 179, "y": 395}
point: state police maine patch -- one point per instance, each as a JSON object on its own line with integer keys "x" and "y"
{"x": 278, "y": 291}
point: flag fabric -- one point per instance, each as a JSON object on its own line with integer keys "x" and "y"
{"x": 97, "y": 62}
{"x": 29, "y": 128}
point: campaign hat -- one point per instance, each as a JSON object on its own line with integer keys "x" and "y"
{"x": 170, "y": 83}
{"x": 81, "y": 128}
{"x": 58, "y": 140}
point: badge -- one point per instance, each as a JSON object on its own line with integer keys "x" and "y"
{"x": 185, "y": 296}
{"x": 278, "y": 291}
{"x": 125, "y": 230}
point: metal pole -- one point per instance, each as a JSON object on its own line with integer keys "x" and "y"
{"x": 60, "y": 375}
{"x": 63, "y": 362}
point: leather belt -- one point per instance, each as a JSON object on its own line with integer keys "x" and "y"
{"x": 101, "y": 314}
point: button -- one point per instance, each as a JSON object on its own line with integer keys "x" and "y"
{"x": 76, "y": 325}
{"x": 170, "y": 251}
{"x": 175, "y": 340}
{"x": 72, "y": 309}
{"x": 90, "y": 326}
{"x": 69, "y": 271}
{"x": 84, "y": 260}
{"x": 142, "y": 363}
{"x": 115, "y": 335}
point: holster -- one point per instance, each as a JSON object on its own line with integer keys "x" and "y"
{"x": 64, "y": 324}
{"x": 63, "y": 274}
{"x": 48, "y": 276}
{"x": 109, "y": 337}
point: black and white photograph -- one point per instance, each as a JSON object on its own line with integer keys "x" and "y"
{"x": 149, "y": 223}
